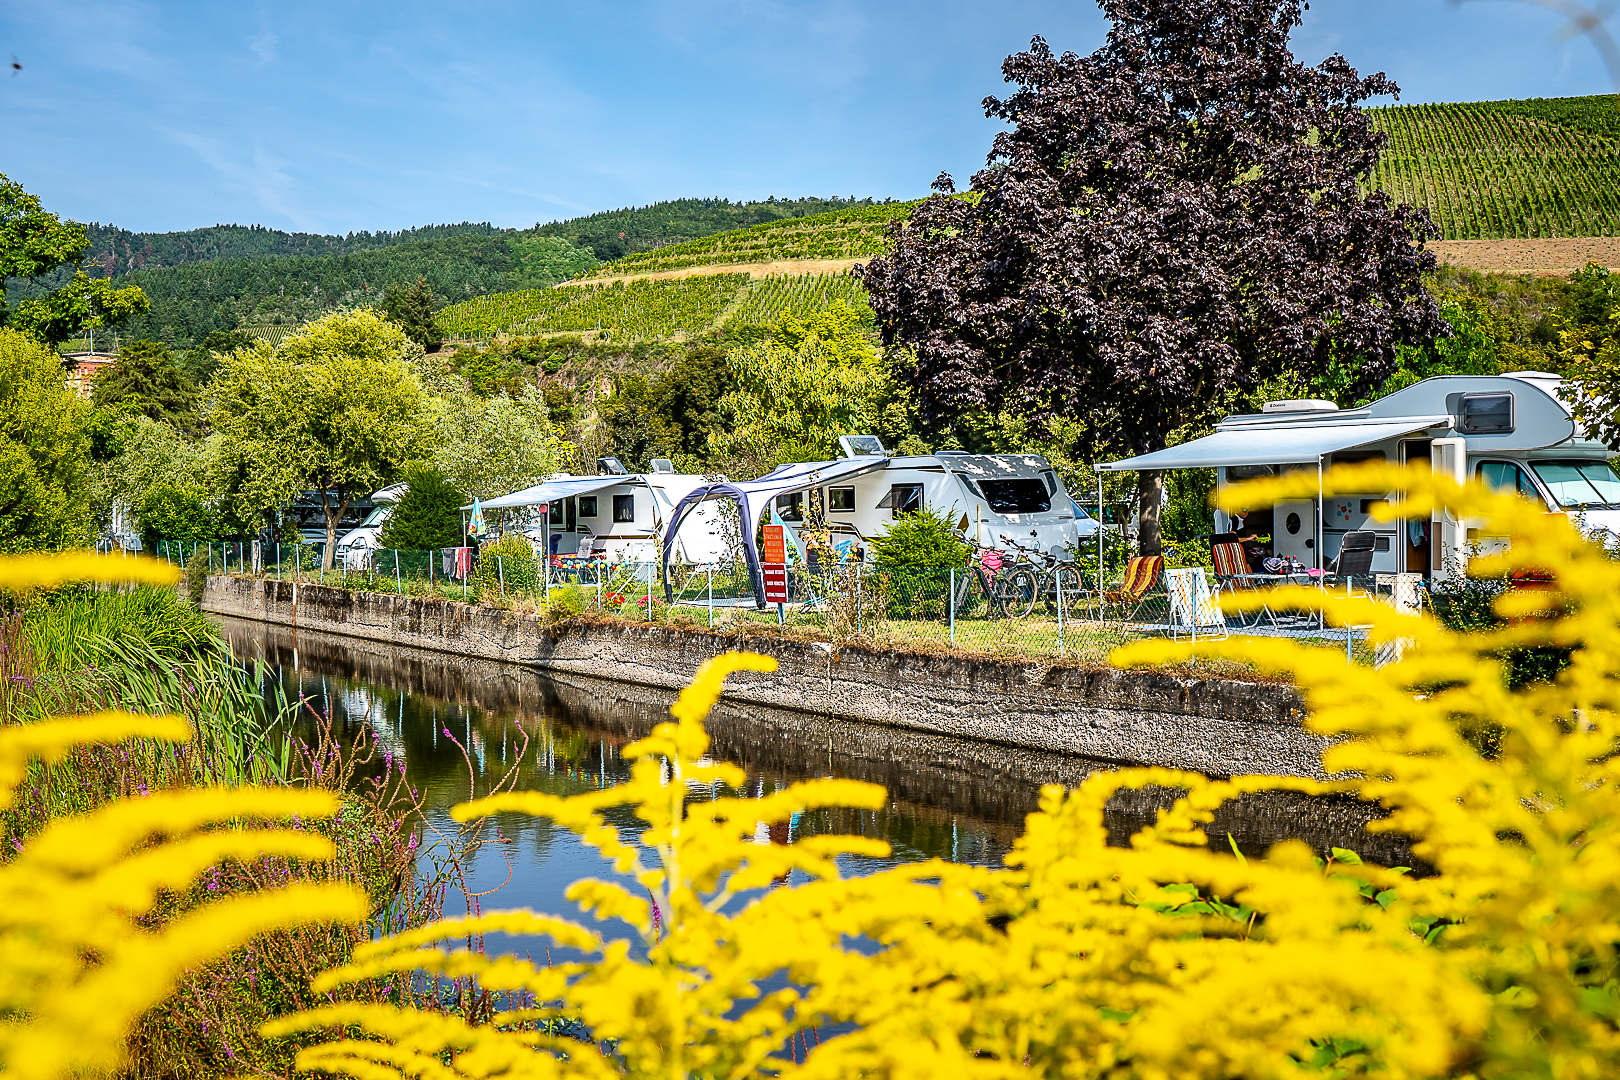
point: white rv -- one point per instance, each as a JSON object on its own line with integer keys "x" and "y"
{"x": 994, "y": 499}
{"x": 1512, "y": 431}
{"x": 355, "y": 547}
{"x": 614, "y": 515}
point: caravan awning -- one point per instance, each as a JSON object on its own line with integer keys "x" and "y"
{"x": 552, "y": 490}
{"x": 1260, "y": 445}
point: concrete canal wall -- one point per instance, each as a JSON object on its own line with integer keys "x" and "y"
{"x": 1219, "y": 726}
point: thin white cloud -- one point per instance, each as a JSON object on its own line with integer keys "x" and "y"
{"x": 262, "y": 176}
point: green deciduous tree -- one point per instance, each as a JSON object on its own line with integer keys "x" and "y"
{"x": 34, "y": 241}
{"x": 491, "y": 446}
{"x": 335, "y": 409}
{"x": 145, "y": 379}
{"x": 429, "y": 514}
{"x": 411, "y": 307}
{"x": 200, "y": 363}
{"x": 176, "y": 511}
{"x": 815, "y": 380}
{"x": 44, "y": 450}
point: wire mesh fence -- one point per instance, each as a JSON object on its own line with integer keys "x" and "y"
{"x": 1018, "y": 610}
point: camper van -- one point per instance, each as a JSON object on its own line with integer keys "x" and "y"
{"x": 994, "y": 499}
{"x": 1514, "y": 432}
{"x": 615, "y": 515}
{"x": 355, "y": 547}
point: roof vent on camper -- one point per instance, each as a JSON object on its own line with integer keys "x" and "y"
{"x": 1299, "y": 405}
{"x": 662, "y": 464}
{"x": 610, "y": 466}
{"x": 855, "y": 446}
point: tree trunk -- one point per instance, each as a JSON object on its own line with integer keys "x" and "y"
{"x": 333, "y": 515}
{"x": 1149, "y": 497}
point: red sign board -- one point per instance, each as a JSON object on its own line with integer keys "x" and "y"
{"x": 775, "y": 547}
{"x": 775, "y": 575}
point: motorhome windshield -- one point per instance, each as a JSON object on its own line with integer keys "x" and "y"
{"x": 1016, "y": 496}
{"x": 1580, "y": 485}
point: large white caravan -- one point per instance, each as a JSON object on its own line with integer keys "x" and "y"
{"x": 614, "y": 515}
{"x": 995, "y": 500}
{"x": 1513, "y": 431}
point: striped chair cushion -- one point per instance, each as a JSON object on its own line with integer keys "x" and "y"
{"x": 1230, "y": 561}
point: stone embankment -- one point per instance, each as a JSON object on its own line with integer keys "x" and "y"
{"x": 1219, "y": 726}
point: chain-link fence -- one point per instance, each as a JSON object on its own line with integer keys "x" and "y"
{"x": 1019, "y": 610}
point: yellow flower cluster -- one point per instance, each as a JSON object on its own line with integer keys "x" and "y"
{"x": 1166, "y": 958}
{"x": 75, "y": 969}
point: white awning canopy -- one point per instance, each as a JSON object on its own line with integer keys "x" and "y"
{"x": 1258, "y": 445}
{"x": 552, "y": 490}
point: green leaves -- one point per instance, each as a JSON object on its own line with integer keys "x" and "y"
{"x": 82, "y": 303}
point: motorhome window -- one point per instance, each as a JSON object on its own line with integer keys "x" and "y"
{"x": 1235, "y": 473}
{"x": 1051, "y": 481}
{"x": 1485, "y": 414}
{"x": 1507, "y": 477}
{"x": 841, "y": 499}
{"x": 1579, "y": 485}
{"x": 903, "y": 499}
{"x": 1356, "y": 457}
{"x": 556, "y": 512}
{"x": 624, "y": 507}
{"x": 790, "y": 507}
{"x": 587, "y": 506}
{"x": 1016, "y": 496}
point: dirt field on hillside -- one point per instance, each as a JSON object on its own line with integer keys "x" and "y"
{"x": 786, "y": 266}
{"x": 1554, "y": 257}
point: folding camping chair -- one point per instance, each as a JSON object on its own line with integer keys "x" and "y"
{"x": 1353, "y": 567}
{"x": 1192, "y": 607}
{"x": 1141, "y": 575}
{"x": 1232, "y": 571}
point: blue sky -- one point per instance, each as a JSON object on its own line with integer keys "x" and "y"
{"x": 338, "y": 116}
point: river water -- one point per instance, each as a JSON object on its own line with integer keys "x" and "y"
{"x": 462, "y": 725}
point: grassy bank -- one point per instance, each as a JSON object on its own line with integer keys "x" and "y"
{"x": 83, "y": 650}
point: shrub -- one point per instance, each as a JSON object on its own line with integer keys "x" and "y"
{"x": 429, "y": 514}
{"x": 567, "y": 602}
{"x": 507, "y": 565}
{"x": 197, "y": 576}
{"x": 922, "y": 540}
{"x": 176, "y": 511}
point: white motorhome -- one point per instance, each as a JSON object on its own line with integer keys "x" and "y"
{"x": 615, "y": 515}
{"x": 1512, "y": 431}
{"x": 994, "y": 499}
{"x": 354, "y": 547}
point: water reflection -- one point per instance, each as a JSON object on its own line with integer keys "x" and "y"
{"x": 461, "y": 725}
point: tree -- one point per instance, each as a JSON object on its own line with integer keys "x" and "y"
{"x": 146, "y": 379}
{"x": 631, "y": 423}
{"x": 34, "y": 241}
{"x": 176, "y": 511}
{"x": 200, "y": 363}
{"x": 492, "y": 446}
{"x": 44, "y": 450}
{"x": 816, "y": 379}
{"x": 335, "y": 409}
{"x": 429, "y": 515}
{"x": 1174, "y": 218}
{"x": 411, "y": 307}
{"x": 687, "y": 396}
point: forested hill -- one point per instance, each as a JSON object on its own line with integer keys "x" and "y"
{"x": 614, "y": 234}
{"x": 119, "y": 251}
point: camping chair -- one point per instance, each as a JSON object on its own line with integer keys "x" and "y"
{"x": 1232, "y": 570}
{"x": 1141, "y": 575}
{"x": 1354, "y": 565}
{"x": 1192, "y": 607}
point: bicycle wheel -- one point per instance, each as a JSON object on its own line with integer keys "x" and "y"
{"x": 1017, "y": 589}
{"x": 974, "y": 599}
{"x": 1065, "y": 580}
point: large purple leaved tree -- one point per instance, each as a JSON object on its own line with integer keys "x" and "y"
{"x": 1180, "y": 215}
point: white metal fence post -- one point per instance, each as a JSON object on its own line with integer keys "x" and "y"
{"x": 649, "y": 593}
{"x": 711, "y": 596}
{"x": 500, "y": 573}
{"x": 952, "y": 603}
{"x": 858, "y": 598}
{"x": 399, "y": 582}
{"x": 1057, "y": 583}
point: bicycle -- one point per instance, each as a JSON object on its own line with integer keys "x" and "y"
{"x": 1002, "y": 588}
{"x": 1055, "y": 582}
